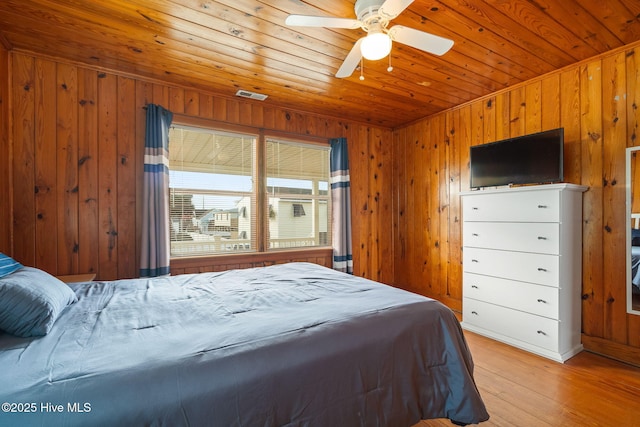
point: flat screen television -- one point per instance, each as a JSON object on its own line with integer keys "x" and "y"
{"x": 529, "y": 159}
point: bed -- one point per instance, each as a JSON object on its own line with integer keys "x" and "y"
{"x": 286, "y": 345}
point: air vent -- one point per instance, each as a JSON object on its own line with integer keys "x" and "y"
{"x": 252, "y": 95}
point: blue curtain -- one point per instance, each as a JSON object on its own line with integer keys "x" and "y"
{"x": 156, "y": 245}
{"x": 341, "y": 206}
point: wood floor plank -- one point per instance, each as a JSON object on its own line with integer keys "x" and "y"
{"x": 522, "y": 389}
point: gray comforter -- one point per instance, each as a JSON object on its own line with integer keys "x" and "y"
{"x": 294, "y": 344}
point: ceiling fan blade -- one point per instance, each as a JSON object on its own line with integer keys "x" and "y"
{"x": 321, "y": 21}
{"x": 351, "y": 61}
{"x": 392, "y": 8}
{"x": 420, "y": 40}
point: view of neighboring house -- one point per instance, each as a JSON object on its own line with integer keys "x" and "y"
{"x": 219, "y": 222}
{"x": 293, "y": 222}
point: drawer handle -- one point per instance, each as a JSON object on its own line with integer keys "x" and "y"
{"x": 542, "y": 238}
{"x": 541, "y": 332}
{"x": 541, "y": 300}
{"x": 474, "y": 260}
{"x": 542, "y": 206}
{"x": 474, "y": 286}
{"x": 542, "y": 269}
{"x": 474, "y": 313}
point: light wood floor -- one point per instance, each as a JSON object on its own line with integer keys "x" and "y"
{"x": 521, "y": 389}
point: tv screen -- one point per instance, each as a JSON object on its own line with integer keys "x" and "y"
{"x": 528, "y": 159}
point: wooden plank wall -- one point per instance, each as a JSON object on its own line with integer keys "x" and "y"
{"x": 5, "y": 171}
{"x": 78, "y": 144}
{"x": 597, "y": 104}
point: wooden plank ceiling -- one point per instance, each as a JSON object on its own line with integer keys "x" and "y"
{"x": 222, "y": 46}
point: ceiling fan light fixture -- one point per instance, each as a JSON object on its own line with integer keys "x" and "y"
{"x": 373, "y": 18}
{"x": 375, "y": 46}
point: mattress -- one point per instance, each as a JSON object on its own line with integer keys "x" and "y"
{"x": 286, "y": 345}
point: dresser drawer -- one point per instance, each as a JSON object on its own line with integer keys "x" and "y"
{"x": 526, "y": 206}
{"x": 513, "y": 236}
{"x": 535, "y": 299}
{"x": 518, "y": 325}
{"x": 525, "y": 267}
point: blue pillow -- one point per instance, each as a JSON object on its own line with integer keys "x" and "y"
{"x": 31, "y": 300}
{"x": 8, "y": 265}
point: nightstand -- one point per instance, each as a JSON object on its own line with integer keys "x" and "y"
{"x": 77, "y": 278}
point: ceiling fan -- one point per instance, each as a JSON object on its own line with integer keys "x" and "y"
{"x": 373, "y": 17}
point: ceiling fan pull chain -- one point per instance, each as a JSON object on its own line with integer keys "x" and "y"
{"x": 361, "y": 69}
{"x": 390, "y": 68}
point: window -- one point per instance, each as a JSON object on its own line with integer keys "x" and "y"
{"x": 298, "y": 194}
{"x": 298, "y": 210}
{"x": 221, "y": 204}
{"x": 211, "y": 191}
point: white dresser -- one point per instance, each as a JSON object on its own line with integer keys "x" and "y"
{"x": 522, "y": 267}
